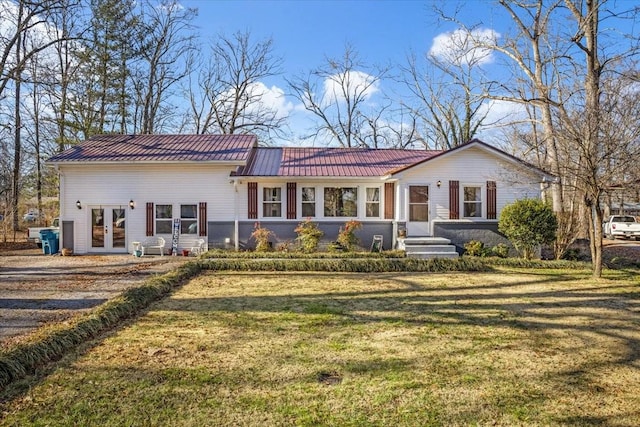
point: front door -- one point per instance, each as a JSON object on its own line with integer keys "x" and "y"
{"x": 418, "y": 211}
{"x": 108, "y": 229}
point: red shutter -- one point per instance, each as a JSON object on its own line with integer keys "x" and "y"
{"x": 253, "y": 200}
{"x": 389, "y": 200}
{"x": 491, "y": 200}
{"x": 454, "y": 200}
{"x": 291, "y": 201}
{"x": 202, "y": 218}
{"x": 150, "y": 219}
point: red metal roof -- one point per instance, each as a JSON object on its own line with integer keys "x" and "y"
{"x": 339, "y": 162}
{"x": 159, "y": 148}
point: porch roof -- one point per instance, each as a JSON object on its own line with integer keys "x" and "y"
{"x": 330, "y": 162}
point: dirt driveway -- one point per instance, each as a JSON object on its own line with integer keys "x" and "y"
{"x": 36, "y": 289}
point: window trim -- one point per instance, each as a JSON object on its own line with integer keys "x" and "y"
{"x": 156, "y": 219}
{"x": 263, "y": 202}
{"x": 367, "y": 202}
{"x": 482, "y": 201}
{"x": 357, "y": 202}
{"x": 195, "y": 220}
{"x": 315, "y": 202}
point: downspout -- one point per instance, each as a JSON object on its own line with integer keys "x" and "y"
{"x": 61, "y": 212}
{"x": 236, "y": 213}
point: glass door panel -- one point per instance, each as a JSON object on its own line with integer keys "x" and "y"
{"x": 118, "y": 235}
{"x": 418, "y": 203}
{"x": 97, "y": 228}
{"x": 418, "y": 211}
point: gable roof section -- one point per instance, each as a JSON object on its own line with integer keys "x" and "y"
{"x": 331, "y": 162}
{"x": 484, "y": 146}
{"x": 159, "y": 148}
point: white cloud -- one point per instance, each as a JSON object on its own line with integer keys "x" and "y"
{"x": 260, "y": 99}
{"x": 272, "y": 98}
{"x": 356, "y": 84}
{"x": 500, "y": 114}
{"x": 463, "y": 47}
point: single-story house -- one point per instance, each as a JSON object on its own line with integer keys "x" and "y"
{"x": 119, "y": 189}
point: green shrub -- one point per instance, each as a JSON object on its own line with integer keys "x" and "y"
{"x": 572, "y": 254}
{"x": 500, "y": 250}
{"x": 474, "y": 248}
{"x": 528, "y": 223}
{"x": 309, "y": 235}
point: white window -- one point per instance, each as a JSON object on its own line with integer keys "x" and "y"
{"x": 272, "y": 202}
{"x": 188, "y": 219}
{"x": 164, "y": 219}
{"x": 471, "y": 201}
{"x": 341, "y": 201}
{"x": 308, "y": 202}
{"x": 373, "y": 203}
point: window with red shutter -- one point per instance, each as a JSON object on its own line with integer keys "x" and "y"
{"x": 491, "y": 200}
{"x": 150, "y": 219}
{"x": 389, "y": 200}
{"x": 202, "y": 218}
{"x": 252, "y": 210}
{"x": 454, "y": 200}
{"x": 291, "y": 200}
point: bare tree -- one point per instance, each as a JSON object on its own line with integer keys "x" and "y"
{"x": 67, "y": 28}
{"x": 230, "y": 94}
{"x": 338, "y": 95}
{"x": 167, "y": 42}
{"x": 448, "y": 106}
{"x": 23, "y": 18}
{"x": 603, "y": 145}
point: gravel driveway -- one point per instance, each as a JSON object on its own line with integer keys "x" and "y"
{"x": 36, "y": 289}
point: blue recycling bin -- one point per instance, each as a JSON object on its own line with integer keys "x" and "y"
{"x": 50, "y": 241}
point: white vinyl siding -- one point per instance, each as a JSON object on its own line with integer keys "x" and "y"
{"x": 164, "y": 184}
{"x": 470, "y": 167}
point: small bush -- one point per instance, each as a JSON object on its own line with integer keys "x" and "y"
{"x": 285, "y": 246}
{"x": 474, "y": 248}
{"x": 262, "y": 236}
{"x": 500, "y": 250}
{"x": 347, "y": 236}
{"x": 309, "y": 235}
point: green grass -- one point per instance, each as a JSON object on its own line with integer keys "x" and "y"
{"x": 510, "y": 347}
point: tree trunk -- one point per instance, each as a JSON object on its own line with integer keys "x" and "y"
{"x": 17, "y": 153}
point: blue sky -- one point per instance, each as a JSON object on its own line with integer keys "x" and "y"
{"x": 305, "y": 31}
{"x": 382, "y": 32}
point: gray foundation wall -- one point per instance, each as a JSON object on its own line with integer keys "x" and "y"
{"x": 284, "y": 232}
{"x": 460, "y": 233}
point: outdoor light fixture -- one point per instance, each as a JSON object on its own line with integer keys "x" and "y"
{"x": 131, "y": 204}
{"x": 439, "y": 183}
{"x": 78, "y": 205}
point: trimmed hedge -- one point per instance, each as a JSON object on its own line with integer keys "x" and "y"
{"x": 53, "y": 342}
{"x": 368, "y": 265}
{"x": 225, "y": 254}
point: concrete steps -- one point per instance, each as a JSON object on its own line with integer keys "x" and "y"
{"x": 427, "y": 247}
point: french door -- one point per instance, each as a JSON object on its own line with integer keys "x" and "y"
{"x": 108, "y": 229}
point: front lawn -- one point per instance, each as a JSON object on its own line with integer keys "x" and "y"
{"x": 512, "y": 347}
